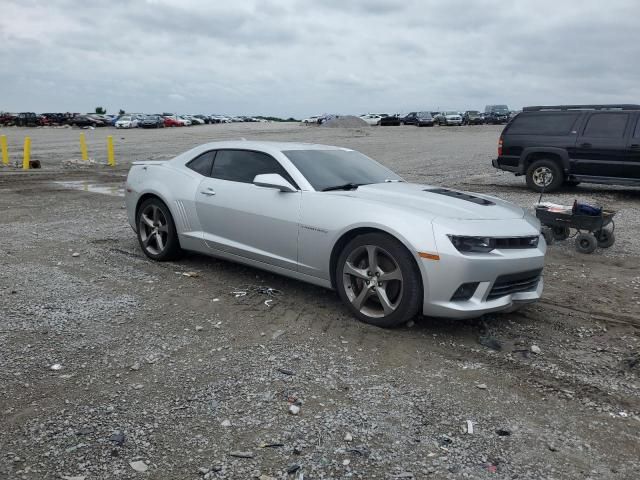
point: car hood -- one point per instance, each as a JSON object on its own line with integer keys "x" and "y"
{"x": 437, "y": 202}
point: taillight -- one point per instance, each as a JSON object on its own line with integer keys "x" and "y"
{"x": 500, "y": 147}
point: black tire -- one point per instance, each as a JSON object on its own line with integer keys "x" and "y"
{"x": 169, "y": 248}
{"x": 586, "y": 243}
{"x": 547, "y": 233}
{"x": 561, "y": 233}
{"x": 405, "y": 293}
{"x": 606, "y": 238}
{"x": 544, "y": 170}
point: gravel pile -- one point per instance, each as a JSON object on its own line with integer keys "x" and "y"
{"x": 347, "y": 121}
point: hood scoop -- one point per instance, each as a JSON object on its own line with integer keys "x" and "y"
{"x": 460, "y": 196}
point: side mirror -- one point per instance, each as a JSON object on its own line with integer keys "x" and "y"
{"x": 273, "y": 180}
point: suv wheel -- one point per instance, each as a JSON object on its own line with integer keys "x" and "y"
{"x": 544, "y": 175}
{"x": 377, "y": 279}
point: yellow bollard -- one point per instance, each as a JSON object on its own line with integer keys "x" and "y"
{"x": 5, "y": 150}
{"x": 26, "y": 156}
{"x": 111, "y": 160}
{"x": 83, "y": 148}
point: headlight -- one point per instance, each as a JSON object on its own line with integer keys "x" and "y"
{"x": 487, "y": 244}
{"x": 472, "y": 244}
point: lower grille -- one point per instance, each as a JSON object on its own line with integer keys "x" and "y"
{"x": 515, "y": 283}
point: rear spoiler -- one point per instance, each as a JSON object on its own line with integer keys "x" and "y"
{"x": 149, "y": 162}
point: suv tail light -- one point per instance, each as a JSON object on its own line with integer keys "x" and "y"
{"x": 500, "y": 146}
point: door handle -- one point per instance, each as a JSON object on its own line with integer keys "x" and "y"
{"x": 585, "y": 145}
{"x": 209, "y": 191}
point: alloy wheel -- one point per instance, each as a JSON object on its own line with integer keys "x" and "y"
{"x": 372, "y": 281}
{"x": 154, "y": 230}
{"x": 542, "y": 176}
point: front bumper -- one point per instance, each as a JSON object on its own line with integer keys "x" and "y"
{"x": 443, "y": 277}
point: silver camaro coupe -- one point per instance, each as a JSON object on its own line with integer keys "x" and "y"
{"x": 334, "y": 217}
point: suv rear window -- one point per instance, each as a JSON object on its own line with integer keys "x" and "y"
{"x": 543, "y": 123}
{"x": 610, "y": 125}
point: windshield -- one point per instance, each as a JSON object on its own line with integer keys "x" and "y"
{"x": 500, "y": 109}
{"x": 451, "y": 113}
{"x": 330, "y": 168}
{"x": 125, "y": 119}
{"x": 473, "y": 112}
{"x": 424, "y": 114}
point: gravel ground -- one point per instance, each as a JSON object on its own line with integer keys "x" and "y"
{"x": 112, "y": 366}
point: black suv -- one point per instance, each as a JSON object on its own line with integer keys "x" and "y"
{"x": 570, "y": 144}
{"x": 496, "y": 114}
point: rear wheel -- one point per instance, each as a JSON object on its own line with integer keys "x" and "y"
{"x": 378, "y": 280}
{"x": 156, "y": 231}
{"x": 605, "y": 238}
{"x": 561, "y": 233}
{"x": 544, "y": 175}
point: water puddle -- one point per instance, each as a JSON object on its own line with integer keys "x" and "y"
{"x": 113, "y": 189}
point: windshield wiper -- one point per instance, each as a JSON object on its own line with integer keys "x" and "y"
{"x": 346, "y": 186}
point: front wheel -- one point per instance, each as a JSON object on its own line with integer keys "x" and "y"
{"x": 544, "y": 175}
{"x": 156, "y": 231}
{"x": 378, "y": 280}
{"x": 586, "y": 243}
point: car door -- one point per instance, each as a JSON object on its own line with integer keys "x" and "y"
{"x": 601, "y": 147}
{"x": 243, "y": 219}
{"x": 633, "y": 152}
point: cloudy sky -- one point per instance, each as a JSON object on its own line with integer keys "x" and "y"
{"x": 301, "y": 57}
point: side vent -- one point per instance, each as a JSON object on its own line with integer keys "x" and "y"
{"x": 460, "y": 196}
{"x": 182, "y": 216}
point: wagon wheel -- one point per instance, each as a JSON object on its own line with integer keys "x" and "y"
{"x": 605, "y": 238}
{"x": 561, "y": 233}
{"x": 548, "y": 235}
{"x": 586, "y": 243}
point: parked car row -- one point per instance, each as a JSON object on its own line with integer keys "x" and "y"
{"x": 130, "y": 120}
{"x": 493, "y": 114}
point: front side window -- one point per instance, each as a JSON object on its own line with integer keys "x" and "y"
{"x": 203, "y": 163}
{"x": 330, "y": 168}
{"x": 244, "y": 165}
{"x": 609, "y": 125}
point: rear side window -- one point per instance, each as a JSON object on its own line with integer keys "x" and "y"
{"x": 610, "y": 125}
{"x": 243, "y": 166}
{"x": 203, "y": 163}
{"x": 543, "y": 124}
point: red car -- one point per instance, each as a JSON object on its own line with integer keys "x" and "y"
{"x": 172, "y": 122}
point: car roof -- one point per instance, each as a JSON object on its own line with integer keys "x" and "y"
{"x": 267, "y": 145}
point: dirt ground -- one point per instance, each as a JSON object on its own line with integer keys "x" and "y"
{"x": 112, "y": 366}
